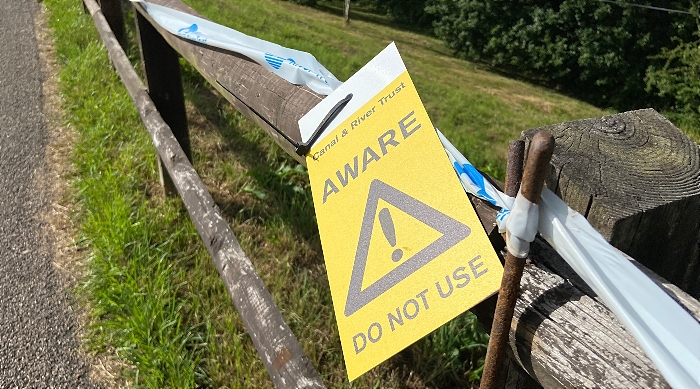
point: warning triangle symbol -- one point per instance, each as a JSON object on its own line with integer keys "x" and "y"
{"x": 453, "y": 232}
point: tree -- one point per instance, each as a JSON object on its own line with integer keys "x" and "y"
{"x": 598, "y": 51}
{"x": 677, "y": 81}
{"x": 346, "y": 11}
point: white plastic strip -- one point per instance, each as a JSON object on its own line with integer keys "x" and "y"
{"x": 473, "y": 181}
{"x": 664, "y": 330}
{"x": 668, "y": 334}
{"x": 297, "y": 67}
{"x": 521, "y": 226}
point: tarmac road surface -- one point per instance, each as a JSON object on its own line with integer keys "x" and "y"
{"x": 38, "y": 347}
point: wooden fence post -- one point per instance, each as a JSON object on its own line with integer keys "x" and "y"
{"x": 162, "y": 70}
{"x": 561, "y": 334}
{"x": 112, "y": 10}
{"x": 278, "y": 348}
{"x": 636, "y": 178}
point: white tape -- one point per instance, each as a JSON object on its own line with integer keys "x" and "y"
{"x": 297, "y": 67}
{"x": 472, "y": 181}
{"x": 668, "y": 334}
{"x": 664, "y": 330}
{"x": 521, "y": 226}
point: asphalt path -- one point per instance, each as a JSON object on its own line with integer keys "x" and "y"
{"x": 38, "y": 347}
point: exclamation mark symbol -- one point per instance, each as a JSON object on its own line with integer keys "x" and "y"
{"x": 388, "y": 228}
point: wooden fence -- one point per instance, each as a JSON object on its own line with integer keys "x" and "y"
{"x": 561, "y": 334}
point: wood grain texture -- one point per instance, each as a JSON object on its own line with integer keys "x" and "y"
{"x": 269, "y": 99}
{"x": 277, "y": 346}
{"x": 561, "y": 333}
{"x": 564, "y": 336}
{"x": 636, "y": 178}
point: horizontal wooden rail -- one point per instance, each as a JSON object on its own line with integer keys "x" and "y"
{"x": 278, "y": 347}
{"x": 562, "y": 334}
{"x": 265, "y": 98}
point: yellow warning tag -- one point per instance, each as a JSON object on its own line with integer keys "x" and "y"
{"x": 404, "y": 249}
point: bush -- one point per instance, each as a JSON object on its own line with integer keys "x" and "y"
{"x": 597, "y": 51}
{"x": 678, "y": 82}
{"x": 679, "y": 77}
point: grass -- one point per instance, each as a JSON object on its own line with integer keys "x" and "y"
{"x": 479, "y": 111}
{"x": 137, "y": 270}
{"x": 689, "y": 123}
{"x": 156, "y": 300}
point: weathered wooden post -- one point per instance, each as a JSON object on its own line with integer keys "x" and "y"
{"x": 112, "y": 10}
{"x": 162, "y": 70}
{"x": 277, "y": 346}
{"x": 346, "y": 12}
{"x": 561, "y": 334}
{"x": 636, "y": 178}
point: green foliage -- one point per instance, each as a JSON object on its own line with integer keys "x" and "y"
{"x": 136, "y": 251}
{"x": 453, "y": 354}
{"x": 678, "y": 81}
{"x": 156, "y": 298}
{"x": 679, "y": 77}
{"x": 595, "y": 50}
{"x": 410, "y": 12}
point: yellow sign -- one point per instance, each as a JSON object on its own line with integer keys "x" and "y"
{"x": 404, "y": 249}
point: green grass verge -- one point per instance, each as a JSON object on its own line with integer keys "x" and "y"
{"x": 140, "y": 250}
{"x": 479, "y": 111}
{"x": 156, "y": 299}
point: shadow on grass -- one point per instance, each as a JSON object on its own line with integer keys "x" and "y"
{"x": 279, "y": 184}
{"x": 446, "y": 358}
{"x": 366, "y": 14}
{"x": 450, "y": 357}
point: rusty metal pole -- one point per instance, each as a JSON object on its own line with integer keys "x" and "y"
{"x": 514, "y": 168}
{"x": 539, "y": 155}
